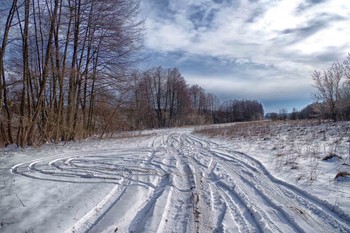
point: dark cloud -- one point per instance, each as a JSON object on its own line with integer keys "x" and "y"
{"x": 255, "y": 15}
{"x": 229, "y": 2}
{"x": 302, "y": 33}
{"x": 309, "y": 4}
{"x": 318, "y": 23}
{"x": 193, "y": 64}
{"x": 330, "y": 55}
{"x": 201, "y": 16}
{"x": 161, "y": 9}
{"x": 315, "y": 1}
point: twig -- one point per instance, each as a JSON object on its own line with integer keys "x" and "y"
{"x": 20, "y": 200}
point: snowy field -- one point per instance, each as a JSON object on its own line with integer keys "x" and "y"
{"x": 267, "y": 180}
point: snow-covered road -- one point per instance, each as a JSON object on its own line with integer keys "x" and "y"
{"x": 165, "y": 182}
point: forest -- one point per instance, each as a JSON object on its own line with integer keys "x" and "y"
{"x": 68, "y": 70}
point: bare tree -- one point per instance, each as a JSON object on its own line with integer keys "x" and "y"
{"x": 74, "y": 53}
{"x": 328, "y": 88}
{"x": 5, "y": 136}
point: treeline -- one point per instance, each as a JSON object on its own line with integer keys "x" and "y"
{"x": 239, "y": 110}
{"x": 309, "y": 112}
{"x": 312, "y": 111}
{"x": 160, "y": 97}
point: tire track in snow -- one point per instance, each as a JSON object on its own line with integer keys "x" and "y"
{"x": 136, "y": 214}
{"x": 303, "y": 201}
{"x": 240, "y": 212}
{"x": 326, "y": 217}
{"x": 138, "y": 223}
{"x": 191, "y": 176}
{"x": 265, "y": 217}
{"x": 278, "y": 210}
{"x": 219, "y": 208}
{"x": 91, "y": 219}
{"x": 88, "y": 168}
{"x": 183, "y": 183}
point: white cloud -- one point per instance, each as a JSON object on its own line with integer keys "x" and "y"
{"x": 167, "y": 37}
{"x": 292, "y": 37}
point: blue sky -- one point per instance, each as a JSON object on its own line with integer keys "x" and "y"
{"x": 248, "y": 49}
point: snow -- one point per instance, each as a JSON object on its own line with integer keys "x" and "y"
{"x": 294, "y": 153}
{"x": 172, "y": 180}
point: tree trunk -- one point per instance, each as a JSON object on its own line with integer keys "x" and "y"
{"x": 30, "y": 137}
{"x": 7, "y": 138}
{"x": 72, "y": 79}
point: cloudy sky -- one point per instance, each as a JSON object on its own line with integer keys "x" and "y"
{"x": 251, "y": 49}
